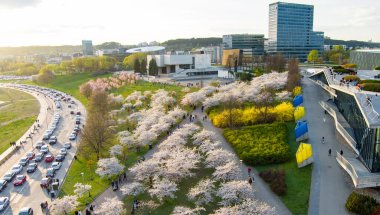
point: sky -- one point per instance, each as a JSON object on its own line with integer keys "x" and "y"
{"x": 67, "y": 22}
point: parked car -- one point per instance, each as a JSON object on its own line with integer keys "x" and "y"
{"x": 17, "y": 168}
{"x": 72, "y": 112}
{"x": 67, "y": 145}
{"x": 30, "y": 155}
{"x": 39, "y": 144}
{"x": 39, "y": 157}
{"x": 20, "y": 180}
{"x": 77, "y": 122}
{"x": 44, "y": 149}
{"x": 78, "y": 113}
{"x": 46, "y": 136}
{"x": 76, "y": 128}
{"x": 63, "y": 151}
{"x": 72, "y": 136}
{"x": 53, "y": 140}
{"x": 24, "y": 161}
{"x": 50, "y": 172}
{"x": 60, "y": 158}
{"x": 31, "y": 168}
{"x": 49, "y": 158}
{"x": 45, "y": 182}
{"x": 9, "y": 176}
{"x": 56, "y": 165}
{"x": 26, "y": 211}
{"x": 3, "y": 184}
{"x": 4, "y": 202}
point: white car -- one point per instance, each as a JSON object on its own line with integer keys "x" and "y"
{"x": 56, "y": 165}
{"x": 4, "y": 202}
{"x": 73, "y": 136}
{"x": 17, "y": 168}
{"x": 24, "y": 161}
{"x": 63, "y": 151}
{"x": 44, "y": 149}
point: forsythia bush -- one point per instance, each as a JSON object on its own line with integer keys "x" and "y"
{"x": 297, "y": 91}
{"x": 250, "y": 116}
{"x": 260, "y": 144}
{"x": 361, "y": 204}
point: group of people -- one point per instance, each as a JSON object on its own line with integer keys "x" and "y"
{"x": 323, "y": 141}
{"x": 251, "y": 179}
{"x": 122, "y": 178}
{"x": 45, "y": 206}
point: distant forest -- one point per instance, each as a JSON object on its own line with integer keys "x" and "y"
{"x": 176, "y": 44}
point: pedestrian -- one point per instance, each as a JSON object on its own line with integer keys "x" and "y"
{"x": 92, "y": 208}
{"x": 112, "y": 184}
{"x": 341, "y": 152}
{"x": 250, "y": 180}
{"x": 42, "y": 206}
{"x": 329, "y": 152}
{"x": 79, "y": 212}
{"x": 125, "y": 176}
{"x": 249, "y": 170}
{"x": 88, "y": 211}
{"x": 323, "y": 140}
{"x": 76, "y": 212}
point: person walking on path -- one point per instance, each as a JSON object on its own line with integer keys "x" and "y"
{"x": 329, "y": 152}
{"x": 250, "y": 181}
{"x": 323, "y": 140}
{"x": 341, "y": 152}
{"x": 249, "y": 171}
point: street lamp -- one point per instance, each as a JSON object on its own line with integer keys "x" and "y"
{"x": 82, "y": 174}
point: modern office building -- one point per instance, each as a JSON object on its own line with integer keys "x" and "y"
{"x": 251, "y": 44}
{"x": 230, "y": 55}
{"x": 291, "y": 30}
{"x": 215, "y": 53}
{"x": 365, "y": 59}
{"x": 87, "y": 48}
{"x": 357, "y": 121}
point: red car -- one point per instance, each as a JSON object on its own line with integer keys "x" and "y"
{"x": 30, "y": 155}
{"x": 20, "y": 180}
{"x": 49, "y": 158}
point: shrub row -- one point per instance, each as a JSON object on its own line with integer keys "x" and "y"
{"x": 368, "y": 81}
{"x": 252, "y": 115}
{"x": 374, "y": 87}
{"x": 343, "y": 70}
{"x": 260, "y": 144}
{"x": 351, "y": 78}
{"x": 377, "y": 68}
{"x": 361, "y": 204}
{"x": 276, "y": 179}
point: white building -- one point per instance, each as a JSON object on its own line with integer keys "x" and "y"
{"x": 103, "y": 52}
{"x": 215, "y": 53}
{"x": 171, "y": 63}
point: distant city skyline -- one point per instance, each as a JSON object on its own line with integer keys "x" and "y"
{"x": 68, "y": 22}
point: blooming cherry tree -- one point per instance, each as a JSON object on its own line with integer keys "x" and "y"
{"x": 64, "y": 205}
{"x": 204, "y": 135}
{"x": 181, "y": 210}
{"x": 134, "y": 188}
{"x": 234, "y": 192}
{"x": 111, "y": 206}
{"x": 116, "y": 150}
{"x": 81, "y": 189}
{"x": 230, "y": 171}
{"x": 109, "y": 167}
{"x": 202, "y": 193}
{"x": 249, "y": 206}
{"x": 163, "y": 188}
{"x": 218, "y": 157}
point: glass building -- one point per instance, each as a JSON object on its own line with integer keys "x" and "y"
{"x": 87, "y": 48}
{"x": 291, "y": 30}
{"x": 251, "y": 44}
{"x": 365, "y": 59}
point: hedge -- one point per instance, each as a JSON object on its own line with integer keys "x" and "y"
{"x": 276, "y": 179}
{"x": 342, "y": 70}
{"x": 374, "y": 87}
{"x": 350, "y": 66}
{"x": 377, "y": 68}
{"x": 369, "y": 81}
{"x": 260, "y": 144}
{"x": 361, "y": 204}
{"x": 351, "y": 78}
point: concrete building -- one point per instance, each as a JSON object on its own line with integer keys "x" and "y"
{"x": 230, "y": 55}
{"x": 332, "y": 47}
{"x": 291, "y": 30}
{"x": 147, "y": 49}
{"x": 172, "y": 63}
{"x": 215, "y": 53}
{"x": 87, "y": 48}
{"x": 106, "y": 52}
{"x": 251, "y": 44}
{"x": 357, "y": 123}
{"x": 366, "y": 59}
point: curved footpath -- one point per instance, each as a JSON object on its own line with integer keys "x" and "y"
{"x": 30, "y": 194}
{"x": 261, "y": 189}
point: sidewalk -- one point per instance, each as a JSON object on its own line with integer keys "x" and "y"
{"x": 330, "y": 184}
{"x": 262, "y": 191}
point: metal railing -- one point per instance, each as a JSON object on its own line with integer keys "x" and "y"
{"x": 339, "y": 127}
{"x": 348, "y": 167}
{"x": 368, "y": 106}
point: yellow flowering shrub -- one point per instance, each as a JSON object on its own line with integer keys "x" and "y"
{"x": 297, "y": 91}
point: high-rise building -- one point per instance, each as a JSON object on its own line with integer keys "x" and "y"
{"x": 251, "y": 44}
{"x": 87, "y": 48}
{"x": 291, "y": 30}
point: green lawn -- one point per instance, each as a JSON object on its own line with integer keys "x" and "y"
{"x": 18, "y": 111}
{"x": 298, "y": 180}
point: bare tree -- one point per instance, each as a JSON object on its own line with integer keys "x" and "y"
{"x": 264, "y": 101}
{"x": 293, "y": 74}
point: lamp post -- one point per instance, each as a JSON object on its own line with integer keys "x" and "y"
{"x": 82, "y": 174}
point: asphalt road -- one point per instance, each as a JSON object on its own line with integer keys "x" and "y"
{"x": 30, "y": 194}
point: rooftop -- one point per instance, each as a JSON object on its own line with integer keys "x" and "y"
{"x": 377, "y": 51}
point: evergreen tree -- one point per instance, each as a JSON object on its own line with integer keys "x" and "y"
{"x": 137, "y": 66}
{"x": 143, "y": 69}
{"x": 153, "y": 69}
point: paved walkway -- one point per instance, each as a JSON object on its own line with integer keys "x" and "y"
{"x": 330, "y": 184}
{"x": 262, "y": 190}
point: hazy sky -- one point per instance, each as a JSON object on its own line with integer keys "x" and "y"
{"x": 58, "y": 22}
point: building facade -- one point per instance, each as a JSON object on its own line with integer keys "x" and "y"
{"x": 291, "y": 30}
{"x": 251, "y": 44}
{"x": 365, "y": 59}
{"x": 172, "y": 63}
{"x": 87, "y": 48}
{"x": 215, "y": 53}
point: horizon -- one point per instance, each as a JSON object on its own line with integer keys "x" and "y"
{"x": 76, "y": 21}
